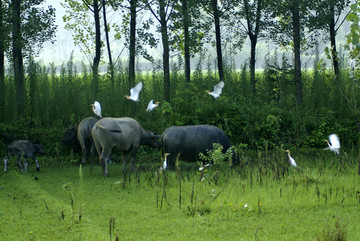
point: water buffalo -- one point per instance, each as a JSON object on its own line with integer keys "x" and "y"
{"x": 23, "y": 148}
{"x": 125, "y": 134}
{"x": 85, "y": 138}
{"x": 83, "y": 134}
{"x": 70, "y": 138}
{"x": 189, "y": 141}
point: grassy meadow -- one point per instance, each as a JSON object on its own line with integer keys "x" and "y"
{"x": 263, "y": 198}
{"x": 260, "y": 198}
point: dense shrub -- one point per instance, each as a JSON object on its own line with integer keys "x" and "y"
{"x": 269, "y": 118}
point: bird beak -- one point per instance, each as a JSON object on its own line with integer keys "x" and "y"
{"x": 92, "y": 105}
{"x": 157, "y": 103}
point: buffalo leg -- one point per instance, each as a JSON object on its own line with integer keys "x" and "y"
{"x": 104, "y": 158}
{"x": 83, "y": 149}
{"x": 37, "y": 164}
{"x": 133, "y": 159}
{"x": 19, "y": 163}
{"x": 124, "y": 157}
{"x": 5, "y": 164}
{"x": 25, "y": 164}
{"x": 92, "y": 152}
{"x": 171, "y": 161}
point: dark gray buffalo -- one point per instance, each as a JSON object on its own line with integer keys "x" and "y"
{"x": 189, "y": 141}
{"x": 84, "y": 136}
{"x": 124, "y": 134}
{"x": 25, "y": 149}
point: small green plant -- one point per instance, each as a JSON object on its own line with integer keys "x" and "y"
{"x": 337, "y": 233}
{"x": 211, "y": 166}
{"x": 216, "y": 162}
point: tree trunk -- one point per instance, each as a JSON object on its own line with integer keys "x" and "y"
{"x": 2, "y": 62}
{"x": 218, "y": 39}
{"x": 166, "y": 51}
{"x": 17, "y": 56}
{"x": 333, "y": 40}
{"x": 111, "y": 66}
{"x": 297, "y": 61}
{"x": 132, "y": 48}
{"x": 187, "y": 40}
{"x": 253, "y": 36}
{"x": 253, "y": 42}
{"x": 97, "y": 49}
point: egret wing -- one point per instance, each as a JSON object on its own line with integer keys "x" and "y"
{"x": 138, "y": 87}
{"x": 150, "y": 105}
{"x": 334, "y": 141}
{"x": 135, "y": 91}
{"x": 97, "y": 108}
{"x": 218, "y": 87}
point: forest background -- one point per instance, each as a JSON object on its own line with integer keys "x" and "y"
{"x": 284, "y": 104}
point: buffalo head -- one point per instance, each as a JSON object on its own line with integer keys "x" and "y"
{"x": 70, "y": 135}
{"x": 151, "y": 140}
{"x": 40, "y": 149}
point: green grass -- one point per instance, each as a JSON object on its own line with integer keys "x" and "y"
{"x": 66, "y": 203}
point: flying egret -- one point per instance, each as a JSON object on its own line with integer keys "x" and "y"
{"x": 333, "y": 143}
{"x": 217, "y": 89}
{"x": 96, "y": 108}
{"x": 152, "y": 105}
{"x": 291, "y": 160}
{"x": 134, "y": 92}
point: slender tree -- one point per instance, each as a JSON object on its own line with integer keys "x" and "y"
{"x": 295, "y": 10}
{"x": 216, "y": 15}
{"x": 129, "y": 28}
{"x": 17, "y": 45}
{"x": 212, "y": 8}
{"x": 247, "y": 19}
{"x": 96, "y": 8}
{"x": 28, "y": 35}
{"x": 2, "y": 58}
{"x": 187, "y": 31}
{"x": 132, "y": 46}
{"x": 289, "y": 19}
{"x": 329, "y": 16}
{"x": 163, "y": 15}
{"x": 87, "y": 33}
{"x": 108, "y": 47}
{"x": 185, "y": 16}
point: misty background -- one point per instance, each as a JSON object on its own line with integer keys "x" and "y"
{"x": 61, "y": 50}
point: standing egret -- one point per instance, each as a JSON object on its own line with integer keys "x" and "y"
{"x": 217, "y": 89}
{"x": 165, "y": 161}
{"x": 96, "y": 108}
{"x": 152, "y": 105}
{"x": 291, "y": 160}
{"x": 333, "y": 143}
{"x": 134, "y": 92}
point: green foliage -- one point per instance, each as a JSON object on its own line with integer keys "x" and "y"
{"x": 58, "y": 97}
{"x": 218, "y": 159}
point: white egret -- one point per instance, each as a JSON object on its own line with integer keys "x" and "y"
{"x": 165, "y": 161}
{"x": 134, "y": 92}
{"x": 96, "y": 108}
{"x": 333, "y": 143}
{"x": 291, "y": 159}
{"x": 152, "y": 105}
{"x": 217, "y": 89}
